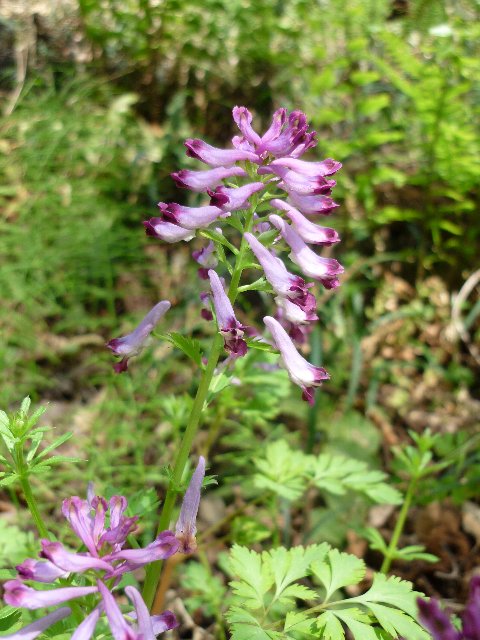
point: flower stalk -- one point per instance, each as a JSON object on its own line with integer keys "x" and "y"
{"x": 22, "y": 470}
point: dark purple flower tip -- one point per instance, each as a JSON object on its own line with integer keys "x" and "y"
{"x": 437, "y": 621}
{"x": 164, "y": 622}
{"x": 218, "y": 199}
{"x": 206, "y": 314}
{"x": 39, "y": 571}
{"x": 308, "y": 394}
{"x": 121, "y": 366}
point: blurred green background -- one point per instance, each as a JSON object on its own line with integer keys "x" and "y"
{"x": 97, "y": 98}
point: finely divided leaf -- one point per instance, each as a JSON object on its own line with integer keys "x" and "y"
{"x": 255, "y": 577}
{"x": 338, "y": 570}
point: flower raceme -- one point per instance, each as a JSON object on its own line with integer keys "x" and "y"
{"x": 258, "y": 188}
{"x": 104, "y": 563}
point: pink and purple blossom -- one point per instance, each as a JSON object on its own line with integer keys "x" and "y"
{"x": 186, "y": 527}
{"x": 202, "y": 180}
{"x": 325, "y": 270}
{"x": 228, "y": 325}
{"x": 132, "y": 344}
{"x": 300, "y": 371}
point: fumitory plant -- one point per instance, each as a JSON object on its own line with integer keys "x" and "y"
{"x": 261, "y": 200}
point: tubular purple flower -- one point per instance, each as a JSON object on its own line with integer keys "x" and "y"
{"x": 117, "y": 506}
{"x": 144, "y": 620}
{"x": 243, "y": 120}
{"x": 299, "y": 183}
{"x": 301, "y": 372}
{"x": 436, "y": 621}
{"x": 117, "y": 536}
{"x": 190, "y": 217}
{"x": 164, "y": 622}
{"x": 77, "y": 512}
{"x": 202, "y": 180}
{"x": 310, "y": 205}
{"x": 40, "y": 571}
{"x": 71, "y": 562}
{"x": 166, "y": 231}
{"x": 323, "y": 269}
{"x": 295, "y": 314}
{"x": 326, "y": 167}
{"x": 149, "y": 626}
{"x": 216, "y": 157}
{"x": 33, "y": 630}
{"x": 131, "y": 344}
{"x": 18, "y": 594}
{"x": 308, "y": 231}
{"x": 86, "y": 628}
{"x": 186, "y": 526}
{"x": 207, "y": 258}
{"x": 99, "y": 506}
{"x": 285, "y": 284}
{"x": 228, "y": 325}
{"x": 229, "y": 199}
{"x": 293, "y": 138}
{"x": 119, "y": 627}
{"x": 164, "y": 546}
{"x": 278, "y": 120}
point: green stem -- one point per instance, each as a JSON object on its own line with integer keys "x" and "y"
{"x": 399, "y": 526}
{"x": 22, "y": 470}
{"x": 153, "y": 570}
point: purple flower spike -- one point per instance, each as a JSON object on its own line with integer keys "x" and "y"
{"x": 311, "y": 205}
{"x": 285, "y": 284}
{"x": 186, "y": 526}
{"x": 131, "y": 344}
{"x": 202, "y": 180}
{"x": 326, "y": 167}
{"x": 301, "y": 372}
{"x": 216, "y": 157}
{"x": 437, "y": 621}
{"x": 229, "y": 199}
{"x": 243, "y": 120}
{"x": 71, "y": 562}
{"x": 323, "y": 269}
{"x": 308, "y": 231}
{"x": 18, "y": 594}
{"x": 86, "y": 628}
{"x": 33, "y": 630}
{"x": 166, "y": 231}
{"x": 190, "y": 217}
{"x": 40, "y": 571}
{"x": 228, "y": 325}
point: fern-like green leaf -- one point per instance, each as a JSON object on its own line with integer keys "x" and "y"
{"x": 338, "y": 570}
